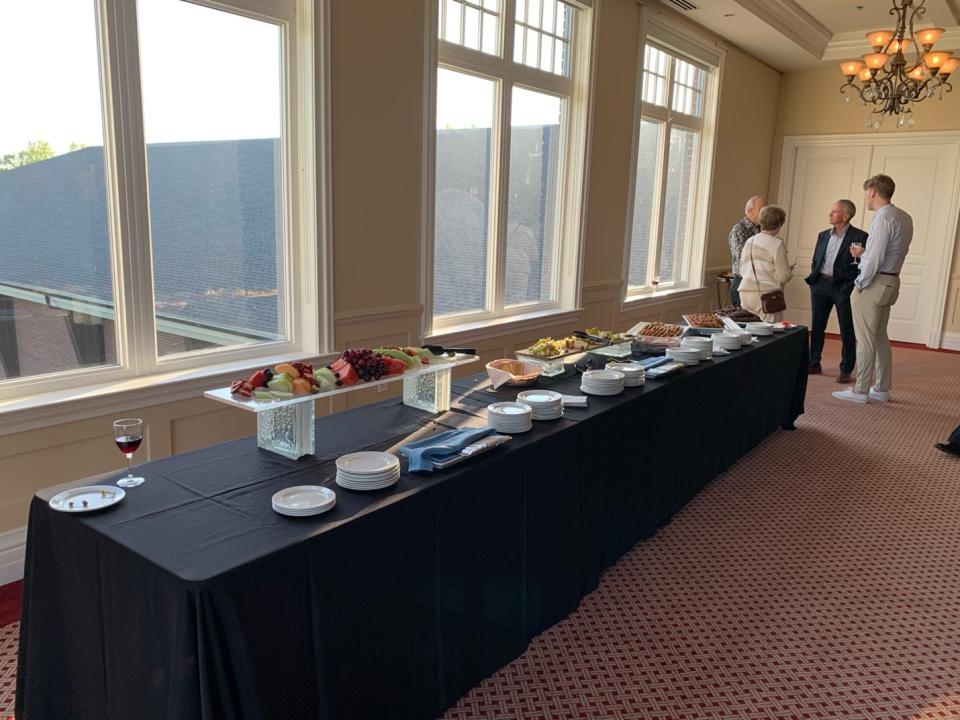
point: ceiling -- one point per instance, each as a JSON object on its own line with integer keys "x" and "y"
{"x": 796, "y": 34}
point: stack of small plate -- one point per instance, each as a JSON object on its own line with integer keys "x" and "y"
{"x": 633, "y": 374}
{"x": 602, "y": 382}
{"x": 727, "y": 341}
{"x": 544, "y": 404}
{"x": 779, "y": 327}
{"x": 510, "y": 418}
{"x": 304, "y": 500}
{"x": 685, "y": 355}
{"x": 760, "y": 328}
{"x": 369, "y": 470}
{"x": 703, "y": 344}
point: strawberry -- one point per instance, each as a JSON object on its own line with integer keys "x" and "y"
{"x": 258, "y": 379}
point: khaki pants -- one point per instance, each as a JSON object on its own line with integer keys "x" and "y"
{"x": 871, "y": 312}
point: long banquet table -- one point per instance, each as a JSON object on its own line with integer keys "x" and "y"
{"x": 193, "y": 599}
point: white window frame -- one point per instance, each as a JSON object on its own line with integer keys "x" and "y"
{"x": 306, "y": 220}
{"x": 681, "y": 42}
{"x": 574, "y": 153}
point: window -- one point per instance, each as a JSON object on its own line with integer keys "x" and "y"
{"x": 153, "y": 221}
{"x": 669, "y": 176}
{"x": 507, "y": 149}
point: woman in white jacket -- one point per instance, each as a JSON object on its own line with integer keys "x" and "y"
{"x": 764, "y": 264}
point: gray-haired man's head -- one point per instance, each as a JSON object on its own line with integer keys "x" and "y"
{"x": 753, "y": 207}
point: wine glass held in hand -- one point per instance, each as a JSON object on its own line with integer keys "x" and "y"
{"x": 856, "y": 249}
{"x": 128, "y": 434}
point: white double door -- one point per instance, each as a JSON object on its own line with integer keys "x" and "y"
{"x": 816, "y": 172}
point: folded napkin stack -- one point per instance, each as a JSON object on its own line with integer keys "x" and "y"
{"x": 422, "y": 454}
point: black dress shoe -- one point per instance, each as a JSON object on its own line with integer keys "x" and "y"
{"x": 845, "y": 378}
{"x": 815, "y": 369}
{"x": 948, "y": 448}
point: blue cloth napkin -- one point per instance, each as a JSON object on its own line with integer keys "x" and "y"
{"x": 421, "y": 454}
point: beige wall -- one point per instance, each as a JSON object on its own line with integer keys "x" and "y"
{"x": 811, "y": 104}
{"x": 745, "y": 129}
{"x": 377, "y": 97}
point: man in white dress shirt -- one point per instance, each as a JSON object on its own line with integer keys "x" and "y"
{"x": 876, "y": 290}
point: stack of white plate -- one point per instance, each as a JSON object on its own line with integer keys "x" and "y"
{"x": 760, "y": 328}
{"x": 685, "y": 355}
{"x": 633, "y": 374}
{"x": 544, "y": 404}
{"x": 727, "y": 341}
{"x": 369, "y": 470}
{"x": 602, "y": 382}
{"x": 703, "y": 344}
{"x": 304, "y": 500}
{"x": 510, "y": 418}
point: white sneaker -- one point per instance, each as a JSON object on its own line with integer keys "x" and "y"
{"x": 879, "y": 395}
{"x": 852, "y": 396}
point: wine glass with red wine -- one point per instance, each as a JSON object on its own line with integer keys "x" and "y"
{"x": 128, "y": 434}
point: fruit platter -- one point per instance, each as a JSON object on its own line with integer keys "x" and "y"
{"x": 282, "y": 396}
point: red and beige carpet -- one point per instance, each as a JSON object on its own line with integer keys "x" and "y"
{"x": 819, "y": 578}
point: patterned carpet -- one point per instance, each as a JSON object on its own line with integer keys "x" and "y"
{"x": 818, "y": 579}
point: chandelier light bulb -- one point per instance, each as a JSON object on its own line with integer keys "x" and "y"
{"x": 875, "y": 61}
{"x": 928, "y": 36}
{"x": 900, "y": 46}
{"x": 879, "y": 39}
{"x": 935, "y": 60}
{"x": 919, "y": 73}
{"x": 865, "y": 75}
{"x": 851, "y": 68}
{"x": 949, "y": 66}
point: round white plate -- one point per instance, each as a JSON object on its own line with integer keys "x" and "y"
{"x": 540, "y": 397}
{"x": 96, "y": 497}
{"x": 366, "y": 486}
{"x": 367, "y": 463}
{"x": 509, "y": 409}
{"x": 601, "y": 375}
{"x": 304, "y": 498}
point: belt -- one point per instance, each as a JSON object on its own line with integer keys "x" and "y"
{"x": 883, "y": 272}
{"x": 824, "y": 276}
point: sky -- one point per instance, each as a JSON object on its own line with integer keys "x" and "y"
{"x": 207, "y": 74}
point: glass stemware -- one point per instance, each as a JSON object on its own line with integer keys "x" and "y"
{"x": 856, "y": 258}
{"x": 128, "y": 434}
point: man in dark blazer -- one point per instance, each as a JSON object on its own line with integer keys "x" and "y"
{"x": 831, "y": 281}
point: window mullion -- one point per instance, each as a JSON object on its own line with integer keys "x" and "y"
{"x": 498, "y": 238}
{"x": 127, "y": 187}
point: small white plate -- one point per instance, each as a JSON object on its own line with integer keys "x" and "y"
{"x": 87, "y": 498}
{"x": 540, "y": 397}
{"x": 367, "y": 463}
{"x": 509, "y": 408}
{"x": 603, "y": 375}
{"x": 304, "y": 500}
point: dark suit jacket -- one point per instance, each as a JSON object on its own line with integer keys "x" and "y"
{"x": 845, "y": 270}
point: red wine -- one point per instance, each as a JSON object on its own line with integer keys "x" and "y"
{"x": 128, "y": 444}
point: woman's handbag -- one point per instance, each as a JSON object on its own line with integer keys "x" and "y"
{"x": 773, "y": 301}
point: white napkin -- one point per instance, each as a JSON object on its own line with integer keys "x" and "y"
{"x": 498, "y": 377}
{"x": 574, "y": 400}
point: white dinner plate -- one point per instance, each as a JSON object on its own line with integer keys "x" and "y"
{"x": 304, "y": 500}
{"x": 87, "y": 498}
{"x": 509, "y": 408}
{"x": 540, "y": 397}
{"x": 367, "y": 463}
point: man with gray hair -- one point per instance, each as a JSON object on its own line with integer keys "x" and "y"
{"x": 739, "y": 234}
{"x": 832, "y": 274}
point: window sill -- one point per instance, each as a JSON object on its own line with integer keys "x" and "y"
{"x": 661, "y": 297}
{"x": 486, "y": 329}
{"x": 54, "y": 408}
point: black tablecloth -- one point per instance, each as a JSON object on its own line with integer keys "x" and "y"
{"x": 193, "y": 599}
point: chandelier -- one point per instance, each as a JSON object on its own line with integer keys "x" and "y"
{"x": 889, "y": 82}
